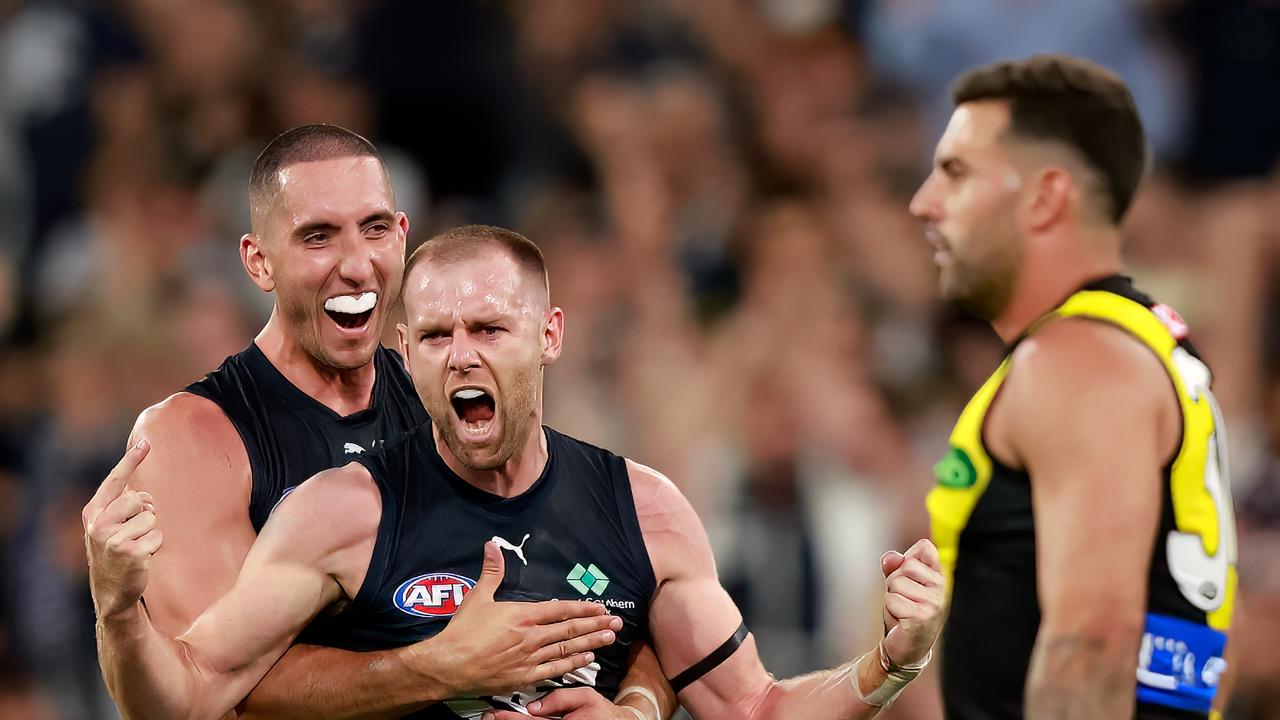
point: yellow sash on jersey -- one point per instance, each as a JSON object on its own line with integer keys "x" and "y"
{"x": 963, "y": 475}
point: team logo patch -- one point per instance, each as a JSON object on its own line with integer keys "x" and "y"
{"x": 433, "y": 595}
{"x": 588, "y": 579}
{"x": 1172, "y": 320}
{"x": 955, "y": 470}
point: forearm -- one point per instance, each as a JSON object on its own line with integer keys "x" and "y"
{"x": 645, "y": 678}
{"x": 827, "y": 694}
{"x": 148, "y": 674}
{"x": 312, "y": 681}
{"x": 1076, "y": 676}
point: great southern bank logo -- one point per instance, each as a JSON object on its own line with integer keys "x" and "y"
{"x": 433, "y": 595}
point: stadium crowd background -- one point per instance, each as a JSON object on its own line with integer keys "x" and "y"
{"x": 720, "y": 187}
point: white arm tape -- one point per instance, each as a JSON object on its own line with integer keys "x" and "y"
{"x": 644, "y": 693}
{"x": 897, "y": 677}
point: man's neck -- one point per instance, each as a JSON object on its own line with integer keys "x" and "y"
{"x": 1048, "y": 279}
{"x": 344, "y": 391}
{"x": 515, "y": 477}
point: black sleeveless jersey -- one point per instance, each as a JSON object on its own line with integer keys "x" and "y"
{"x": 289, "y": 435}
{"x": 984, "y": 527}
{"x": 572, "y": 536}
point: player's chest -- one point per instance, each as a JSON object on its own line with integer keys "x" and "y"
{"x": 549, "y": 553}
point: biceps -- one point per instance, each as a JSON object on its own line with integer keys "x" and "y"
{"x": 206, "y": 538}
{"x": 1095, "y": 529}
{"x": 690, "y": 620}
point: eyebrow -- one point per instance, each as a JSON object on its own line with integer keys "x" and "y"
{"x": 326, "y": 226}
{"x": 308, "y": 228}
{"x": 487, "y": 318}
{"x": 383, "y": 215}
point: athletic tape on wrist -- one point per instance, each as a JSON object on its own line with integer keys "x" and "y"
{"x": 640, "y": 714}
{"x": 644, "y": 693}
{"x": 896, "y": 678}
{"x": 893, "y": 668}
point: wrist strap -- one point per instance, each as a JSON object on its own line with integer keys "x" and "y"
{"x": 644, "y": 693}
{"x": 896, "y": 678}
{"x": 893, "y": 668}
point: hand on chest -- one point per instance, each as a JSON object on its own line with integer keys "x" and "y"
{"x": 438, "y": 569}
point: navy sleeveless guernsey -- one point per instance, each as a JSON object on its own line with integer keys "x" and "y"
{"x": 289, "y": 435}
{"x": 572, "y": 536}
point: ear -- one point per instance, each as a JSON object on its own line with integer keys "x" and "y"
{"x": 1053, "y": 194}
{"x": 552, "y": 336}
{"x": 402, "y": 226}
{"x": 256, "y": 262}
{"x": 402, "y": 333}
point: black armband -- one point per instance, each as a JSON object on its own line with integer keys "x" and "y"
{"x": 710, "y": 662}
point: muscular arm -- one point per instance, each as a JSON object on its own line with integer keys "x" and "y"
{"x": 692, "y": 615}
{"x": 1090, "y": 414}
{"x": 198, "y": 472}
{"x": 646, "y": 672}
{"x": 311, "y": 681}
{"x": 289, "y": 576}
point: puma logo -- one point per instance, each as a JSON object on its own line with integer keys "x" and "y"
{"x": 517, "y": 549}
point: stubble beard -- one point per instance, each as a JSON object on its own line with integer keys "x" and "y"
{"x": 983, "y": 287}
{"x": 517, "y": 416}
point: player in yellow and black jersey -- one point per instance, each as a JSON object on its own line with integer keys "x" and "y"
{"x": 1083, "y": 509}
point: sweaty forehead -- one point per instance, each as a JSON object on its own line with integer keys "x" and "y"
{"x": 490, "y": 283}
{"x": 332, "y": 191}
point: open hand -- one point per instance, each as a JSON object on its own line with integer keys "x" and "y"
{"x": 494, "y": 648}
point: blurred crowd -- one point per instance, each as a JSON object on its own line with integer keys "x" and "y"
{"x": 720, "y": 187}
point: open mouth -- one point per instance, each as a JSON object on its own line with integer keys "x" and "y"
{"x": 351, "y": 311}
{"x": 934, "y": 237}
{"x": 474, "y": 407}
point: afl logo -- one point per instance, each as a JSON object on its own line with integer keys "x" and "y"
{"x": 433, "y": 595}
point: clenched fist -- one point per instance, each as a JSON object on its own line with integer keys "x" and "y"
{"x": 120, "y": 537}
{"x": 914, "y": 597}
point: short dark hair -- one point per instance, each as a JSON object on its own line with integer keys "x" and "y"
{"x": 304, "y": 143}
{"x": 1075, "y": 102}
{"x": 468, "y": 241}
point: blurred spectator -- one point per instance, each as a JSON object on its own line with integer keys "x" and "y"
{"x": 50, "y": 52}
{"x": 720, "y": 187}
{"x": 71, "y": 448}
{"x": 926, "y": 42}
{"x": 1233, "y": 53}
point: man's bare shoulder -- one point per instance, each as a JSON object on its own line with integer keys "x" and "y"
{"x": 331, "y": 520}
{"x": 193, "y": 444}
{"x": 1077, "y": 360}
{"x": 1079, "y": 377}
{"x": 341, "y": 499}
{"x": 1075, "y": 348}
{"x": 673, "y": 532}
{"x": 653, "y": 491}
{"x": 348, "y": 487}
{"x": 184, "y": 416}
